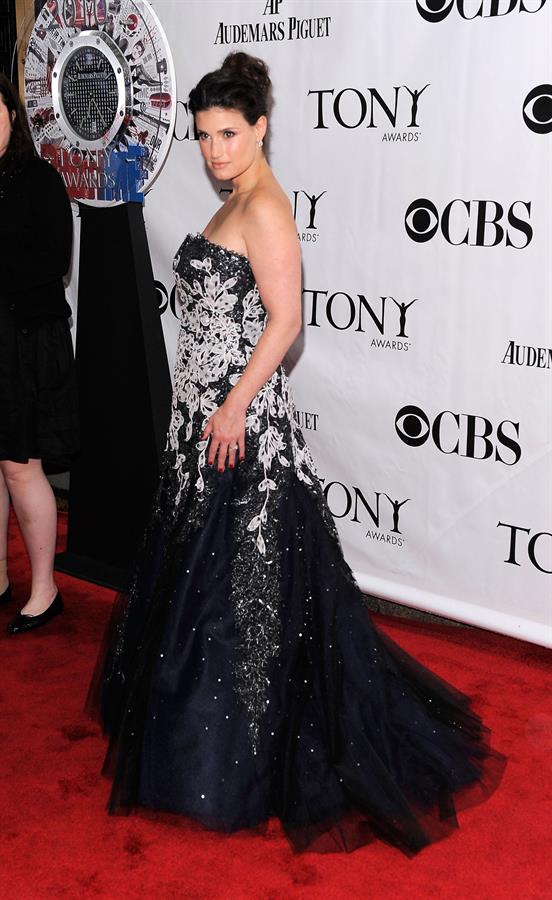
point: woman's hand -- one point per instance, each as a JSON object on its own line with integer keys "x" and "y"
{"x": 226, "y": 430}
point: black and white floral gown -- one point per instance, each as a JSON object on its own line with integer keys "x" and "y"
{"x": 241, "y": 676}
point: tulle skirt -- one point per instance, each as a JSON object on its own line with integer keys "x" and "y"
{"x": 358, "y": 740}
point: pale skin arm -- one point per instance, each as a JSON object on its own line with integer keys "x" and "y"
{"x": 273, "y": 250}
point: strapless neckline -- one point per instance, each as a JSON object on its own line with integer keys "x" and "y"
{"x": 198, "y": 234}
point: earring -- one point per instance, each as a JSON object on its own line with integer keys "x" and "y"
{"x": 260, "y": 143}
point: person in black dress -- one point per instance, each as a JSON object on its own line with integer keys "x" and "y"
{"x": 38, "y": 422}
{"x": 241, "y": 676}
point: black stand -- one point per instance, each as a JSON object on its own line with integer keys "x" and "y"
{"x": 124, "y": 396}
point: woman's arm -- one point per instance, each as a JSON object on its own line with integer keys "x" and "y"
{"x": 273, "y": 250}
{"x": 53, "y": 223}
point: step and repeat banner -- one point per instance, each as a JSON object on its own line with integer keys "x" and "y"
{"x": 413, "y": 139}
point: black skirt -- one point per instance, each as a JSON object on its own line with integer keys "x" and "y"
{"x": 38, "y": 394}
{"x": 358, "y": 739}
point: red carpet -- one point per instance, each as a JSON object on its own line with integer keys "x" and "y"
{"x": 57, "y": 841}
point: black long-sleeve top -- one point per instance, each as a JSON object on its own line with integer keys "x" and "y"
{"x": 36, "y": 234}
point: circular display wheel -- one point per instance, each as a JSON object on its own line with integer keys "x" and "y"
{"x": 100, "y": 96}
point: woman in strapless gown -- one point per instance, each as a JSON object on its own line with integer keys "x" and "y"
{"x": 241, "y": 676}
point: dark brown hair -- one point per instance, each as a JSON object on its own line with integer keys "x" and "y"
{"x": 242, "y": 83}
{"x": 20, "y": 147}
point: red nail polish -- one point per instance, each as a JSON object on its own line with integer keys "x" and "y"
{"x": 231, "y": 466}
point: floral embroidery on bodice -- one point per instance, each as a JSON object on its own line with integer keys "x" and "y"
{"x": 222, "y": 320}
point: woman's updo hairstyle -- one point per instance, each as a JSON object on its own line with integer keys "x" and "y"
{"x": 242, "y": 83}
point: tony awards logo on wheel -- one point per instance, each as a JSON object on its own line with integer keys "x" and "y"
{"x": 477, "y": 223}
{"x": 377, "y": 513}
{"x": 438, "y": 10}
{"x": 537, "y": 109}
{"x": 99, "y": 90}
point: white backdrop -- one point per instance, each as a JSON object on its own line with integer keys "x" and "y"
{"x": 425, "y": 518}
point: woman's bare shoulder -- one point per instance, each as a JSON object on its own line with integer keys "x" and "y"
{"x": 267, "y": 207}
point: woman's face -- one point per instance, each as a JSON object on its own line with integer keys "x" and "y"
{"x": 228, "y": 142}
{"x": 5, "y": 126}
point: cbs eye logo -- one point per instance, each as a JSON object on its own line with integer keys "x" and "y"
{"x": 412, "y": 426}
{"x": 421, "y": 220}
{"x": 434, "y": 10}
{"x": 537, "y": 109}
{"x": 166, "y": 301}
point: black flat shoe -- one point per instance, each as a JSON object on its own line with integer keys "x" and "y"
{"x": 27, "y": 623}
{"x": 6, "y": 597}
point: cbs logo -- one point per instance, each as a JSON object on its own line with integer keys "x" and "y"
{"x": 537, "y": 109}
{"x": 438, "y": 10}
{"x": 477, "y": 223}
{"x": 460, "y": 434}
